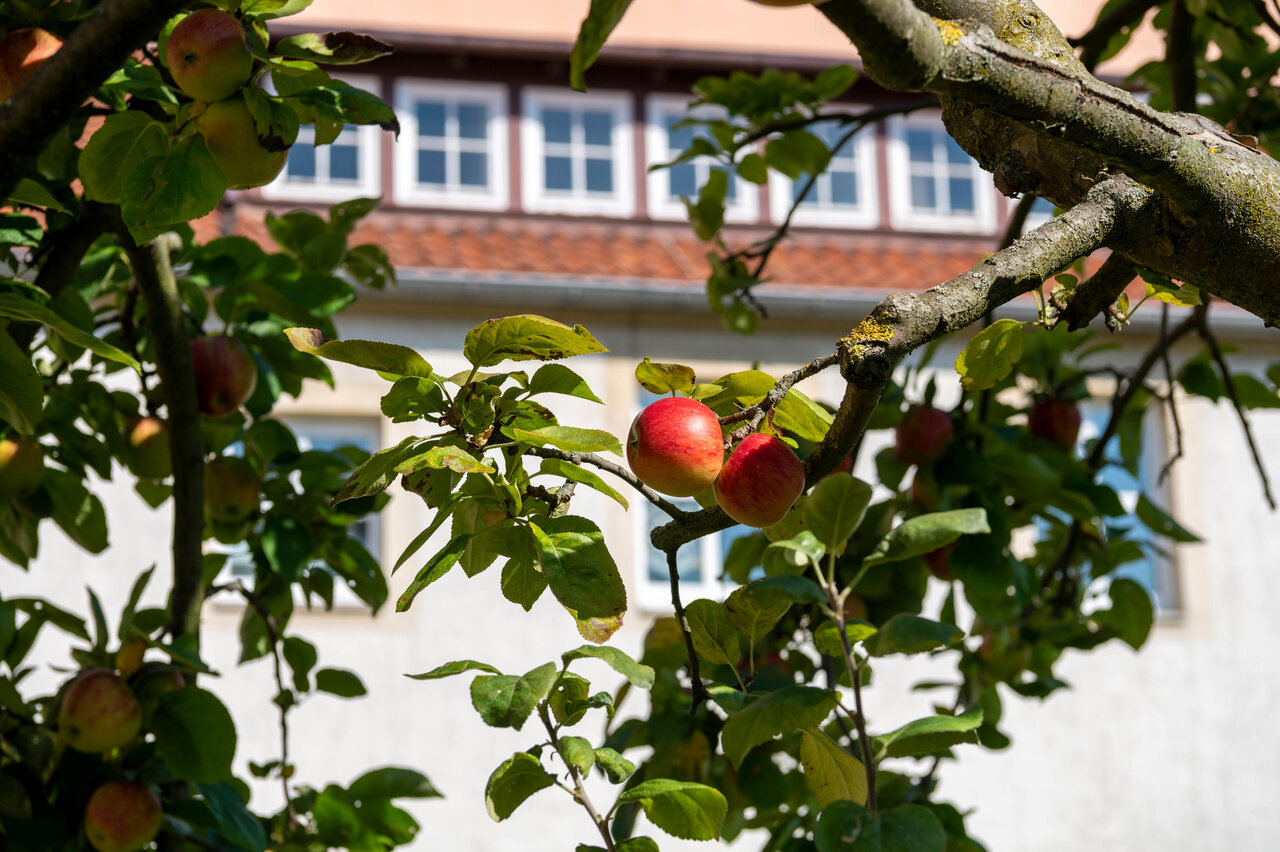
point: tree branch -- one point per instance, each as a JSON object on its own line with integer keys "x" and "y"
{"x": 698, "y": 691}
{"x": 1097, "y": 292}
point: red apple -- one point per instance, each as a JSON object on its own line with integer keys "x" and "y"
{"x": 233, "y": 141}
{"x": 760, "y": 481}
{"x": 122, "y": 816}
{"x": 231, "y": 487}
{"x": 1056, "y": 420}
{"x": 98, "y": 712}
{"x": 923, "y": 435}
{"x": 225, "y": 373}
{"x": 21, "y": 53}
{"x": 675, "y": 446}
{"x": 148, "y": 439}
{"x": 21, "y": 467}
{"x": 207, "y": 55}
{"x": 939, "y": 562}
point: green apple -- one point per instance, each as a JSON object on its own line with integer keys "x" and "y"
{"x": 225, "y": 374}
{"x": 122, "y": 816}
{"x": 21, "y": 53}
{"x": 231, "y": 487}
{"x": 21, "y": 467}
{"x": 98, "y": 712}
{"x": 232, "y": 139}
{"x": 207, "y": 55}
{"x": 148, "y": 439}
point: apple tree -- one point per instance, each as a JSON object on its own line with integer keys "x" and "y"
{"x": 129, "y": 343}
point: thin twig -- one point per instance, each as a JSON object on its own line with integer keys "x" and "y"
{"x": 761, "y": 409}
{"x": 617, "y": 470}
{"x": 1170, "y": 398}
{"x": 698, "y": 692}
{"x": 579, "y": 792}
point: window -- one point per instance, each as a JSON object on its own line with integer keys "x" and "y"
{"x": 577, "y": 152}
{"x": 843, "y": 195}
{"x": 665, "y": 141}
{"x": 348, "y": 167}
{"x": 933, "y": 183}
{"x": 698, "y": 563}
{"x": 452, "y": 150}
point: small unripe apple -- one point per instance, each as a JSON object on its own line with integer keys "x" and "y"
{"x": 760, "y": 481}
{"x": 923, "y": 435}
{"x": 21, "y": 53}
{"x": 855, "y": 608}
{"x": 98, "y": 712}
{"x": 129, "y": 657}
{"x": 148, "y": 439}
{"x": 675, "y": 446}
{"x": 1056, "y": 420}
{"x": 232, "y": 138}
{"x": 231, "y": 487}
{"x": 21, "y": 467}
{"x": 225, "y": 373}
{"x": 122, "y": 816}
{"x": 207, "y": 55}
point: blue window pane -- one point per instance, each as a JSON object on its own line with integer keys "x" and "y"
{"x": 678, "y": 138}
{"x": 956, "y": 154}
{"x": 1042, "y": 207}
{"x": 683, "y": 181}
{"x": 962, "y": 200}
{"x": 557, "y": 125}
{"x": 598, "y": 127}
{"x": 430, "y": 116}
{"x": 688, "y": 558}
{"x": 344, "y": 162}
{"x": 798, "y": 185}
{"x": 431, "y": 167}
{"x": 599, "y": 176}
{"x": 920, "y": 145}
{"x": 472, "y": 121}
{"x": 844, "y": 189}
{"x": 473, "y": 169}
{"x": 923, "y": 193}
{"x": 559, "y": 173}
{"x": 301, "y": 163}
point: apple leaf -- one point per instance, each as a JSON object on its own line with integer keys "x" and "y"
{"x": 275, "y": 121}
{"x": 801, "y": 416}
{"x": 582, "y": 574}
{"x": 600, "y": 21}
{"x": 505, "y": 701}
{"x": 713, "y": 633}
{"x": 832, "y": 772}
{"x": 1131, "y": 614}
{"x": 990, "y": 356}
{"x": 195, "y": 736}
{"x": 557, "y": 378}
{"x": 911, "y": 634}
{"x": 115, "y": 150}
{"x": 337, "y": 48}
{"x": 754, "y": 616}
{"x": 522, "y": 583}
{"x": 791, "y": 555}
{"x": 339, "y": 102}
{"x": 515, "y": 780}
{"x": 797, "y": 152}
{"x": 682, "y": 809}
{"x": 526, "y": 337}
{"x": 637, "y": 673}
{"x": 390, "y": 358}
{"x": 560, "y": 467}
{"x": 846, "y": 826}
{"x": 663, "y": 378}
{"x": 235, "y": 822}
{"x": 340, "y": 682}
{"x": 266, "y": 9}
{"x": 926, "y": 533}
{"x": 571, "y": 439}
{"x": 835, "y": 508}
{"x": 392, "y": 782}
{"x": 33, "y": 194}
{"x": 436, "y": 567}
{"x": 1162, "y": 523}
{"x": 17, "y": 307}
{"x": 21, "y": 388}
{"x": 615, "y": 767}
{"x": 446, "y": 458}
{"x": 782, "y": 711}
{"x": 455, "y": 668}
{"x": 165, "y": 191}
{"x": 378, "y": 471}
{"x": 930, "y": 735}
{"x": 827, "y": 636}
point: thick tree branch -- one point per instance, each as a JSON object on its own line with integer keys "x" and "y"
{"x": 1097, "y": 292}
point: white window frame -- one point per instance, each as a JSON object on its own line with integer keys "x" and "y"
{"x": 865, "y": 215}
{"x": 745, "y": 207}
{"x": 903, "y": 216}
{"x": 537, "y": 198}
{"x": 406, "y": 188}
{"x": 325, "y": 189}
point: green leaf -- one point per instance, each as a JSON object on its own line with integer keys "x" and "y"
{"x": 21, "y": 388}
{"x": 911, "y": 634}
{"x": 755, "y": 616}
{"x": 195, "y": 735}
{"x": 680, "y": 808}
{"x": 926, "y": 533}
{"x": 301, "y": 657}
{"x": 390, "y": 358}
{"x": 846, "y": 826}
{"x": 600, "y": 21}
{"x": 577, "y": 752}
{"x": 455, "y": 668}
{"x": 77, "y": 510}
{"x": 505, "y": 701}
{"x": 796, "y": 153}
{"x": 436, "y": 567}
{"x": 582, "y": 574}
{"x": 1252, "y": 393}
{"x": 834, "y": 82}
{"x": 447, "y": 457}
{"x": 514, "y": 781}
{"x": 570, "y": 471}
{"x": 1131, "y": 615}
{"x": 614, "y": 766}
{"x": 522, "y": 583}
{"x": 792, "y": 555}
{"x": 990, "y": 356}
{"x": 32, "y": 194}
{"x": 235, "y": 822}
{"x": 779, "y": 712}
{"x": 1160, "y": 287}
{"x": 827, "y": 636}
{"x": 638, "y": 674}
{"x": 1161, "y": 523}
{"x": 16, "y": 307}
{"x": 378, "y": 471}
{"x": 571, "y": 439}
{"x": 663, "y": 378}
{"x": 392, "y": 782}
{"x": 526, "y": 337}
{"x": 835, "y": 508}
{"x": 930, "y": 735}
{"x": 163, "y": 192}
{"x": 338, "y": 48}
{"x": 638, "y": 844}
{"x": 340, "y": 682}
{"x": 557, "y": 378}
{"x": 111, "y": 155}
{"x": 714, "y": 636}
{"x": 801, "y": 416}
{"x": 833, "y": 774}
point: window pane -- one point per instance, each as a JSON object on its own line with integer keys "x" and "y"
{"x": 430, "y": 118}
{"x": 962, "y": 200}
{"x": 844, "y": 188}
{"x": 301, "y": 162}
{"x": 559, "y": 173}
{"x": 1042, "y": 207}
{"x": 599, "y": 176}
{"x": 556, "y": 125}
{"x": 683, "y": 181}
{"x": 472, "y": 121}
{"x": 431, "y": 167}
{"x": 344, "y": 162}
{"x": 598, "y": 126}
{"x": 920, "y": 145}
{"x": 473, "y": 169}
{"x": 847, "y": 153}
{"x": 798, "y": 185}
{"x": 688, "y": 559}
{"x": 923, "y": 193}
{"x": 956, "y": 154}
{"x": 678, "y": 138}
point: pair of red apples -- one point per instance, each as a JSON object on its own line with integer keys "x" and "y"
{"x": 675, "y": 446}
